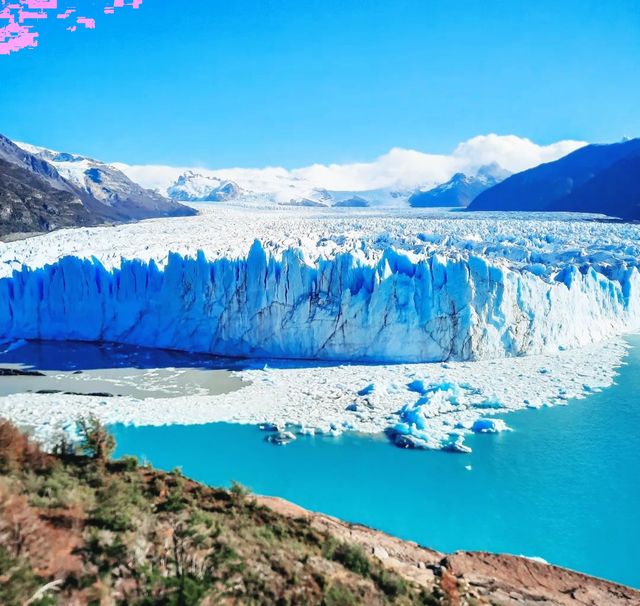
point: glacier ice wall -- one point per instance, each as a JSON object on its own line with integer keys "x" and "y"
{"x": 436, "y": 308}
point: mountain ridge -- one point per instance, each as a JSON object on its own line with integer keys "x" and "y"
{"x": 549, "y": 186}
{"x": 461, "y": 189}
{"x": 39, "y": 192}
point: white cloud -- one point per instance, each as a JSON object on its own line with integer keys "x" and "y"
{"x": 402, "y": 168}
{"x": 511, "y": 152}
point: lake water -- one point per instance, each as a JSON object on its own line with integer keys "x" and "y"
{"x": 564, "y": 485}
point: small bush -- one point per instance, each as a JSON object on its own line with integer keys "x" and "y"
{"x": 350, "y": 556}
{"x": 239, "y": 492}
{"x": 56, "y": 488}
{"x": 391, "y": 584}
{"x": 177, "y": 499}
{"x": 126, "y": 464}
{"x": 63, "y": 447}
{"x": 18, "y": 582}
{"x": 174, "y": 502}
{"x": 116, "y": 505}
{"x": 430, "y": 599}
{"x": 95, "y": 441}
{"x": 339, "y": 595}
{"x": 17, "y": 452}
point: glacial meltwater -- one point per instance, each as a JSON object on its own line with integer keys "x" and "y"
{"x": 112, "y": 369}
{"x": 564, "y": 485}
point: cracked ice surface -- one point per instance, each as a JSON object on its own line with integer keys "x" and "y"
{"x": 540, "y": 243}
{"x": 324, "y": 286}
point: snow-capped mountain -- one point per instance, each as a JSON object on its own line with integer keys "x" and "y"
{"x": 461, "y": 189}
{"x": 192, "y": 186}
{"x": 275, "y": 190}
{"x": 118, "y": 197}
{"x": 34, "y": 197}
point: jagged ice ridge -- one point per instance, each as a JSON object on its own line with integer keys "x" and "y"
{"x": 423, "y": 309}
{"x": 360, "y": 285}
{"x": 427, "y": 288}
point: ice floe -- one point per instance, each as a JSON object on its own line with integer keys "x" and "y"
{"x": 324, "y": 399}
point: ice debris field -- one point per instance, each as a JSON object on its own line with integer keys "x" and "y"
{"x": 494, "y": 303}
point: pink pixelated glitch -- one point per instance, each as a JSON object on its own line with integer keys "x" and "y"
{"x": 19, "y": 20}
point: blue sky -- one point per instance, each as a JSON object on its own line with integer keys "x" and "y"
{"x": 292, "y": 82}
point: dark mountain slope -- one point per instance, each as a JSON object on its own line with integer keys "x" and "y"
{"x": 118, "y": 197}
{"x": 537, "y": 189}
{"x": 36, "y": 197}
{"x": 30, "y": 203}
{"x": 615, "y": 191}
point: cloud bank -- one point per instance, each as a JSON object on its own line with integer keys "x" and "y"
{"x": 399, "y": 168}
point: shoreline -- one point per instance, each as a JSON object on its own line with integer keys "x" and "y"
{"x": 499, "y": 575}
{"x": 435, "y": 404}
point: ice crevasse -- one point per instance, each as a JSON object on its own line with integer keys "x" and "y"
{"x": 397, "y": 308}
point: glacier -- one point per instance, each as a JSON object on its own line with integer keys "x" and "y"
{"x": 466, "y": 318}
{"x": 423, "y": 309}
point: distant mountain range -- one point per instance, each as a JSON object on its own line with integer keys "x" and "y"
{"x": 41, "y": 190}
{"x": 461, "y": 189}
{"x": 601, "y": 179}
{"x": 194, "y": 186}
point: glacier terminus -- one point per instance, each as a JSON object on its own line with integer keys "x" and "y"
{"x": 369, "y": 291}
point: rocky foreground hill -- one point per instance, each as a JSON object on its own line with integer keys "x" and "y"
{"x": 88, "y": 530}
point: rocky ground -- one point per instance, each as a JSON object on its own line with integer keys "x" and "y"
{"x": 79, "y": 528}
{"x": 470, "y": 577}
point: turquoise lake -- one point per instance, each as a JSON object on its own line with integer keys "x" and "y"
{"x": 564, "y": 485}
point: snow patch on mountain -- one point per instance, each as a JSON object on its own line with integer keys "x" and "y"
{"x": 192, "y": 186}
{"x": 386, "y": 181}
{"x": 460, "y": 190}
{"x": 118, "y": 196}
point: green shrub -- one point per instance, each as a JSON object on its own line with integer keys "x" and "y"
{"x": 176, "y": 499}
{"x": 239, "y": 492}
{"x": 117, "y": 502}
{"x": 339, "y": 595}
{"x": 350, "y": 556}
{"x": 18, "y": 582}
{"x": 392, "y": 584}
{"x": 126, "y": 464}
{"x": 55, "y": 488}
{"x": 95, "y": 441}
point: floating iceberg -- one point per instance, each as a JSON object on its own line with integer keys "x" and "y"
{"x": 489, "y": 426}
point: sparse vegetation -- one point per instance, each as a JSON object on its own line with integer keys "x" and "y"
{"x": 95, "y": 441}
{"x": 88, "y": 530}
{"x": 351, "y": 557}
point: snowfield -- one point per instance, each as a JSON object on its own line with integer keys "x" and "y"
{"x": 398, "y": 288}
